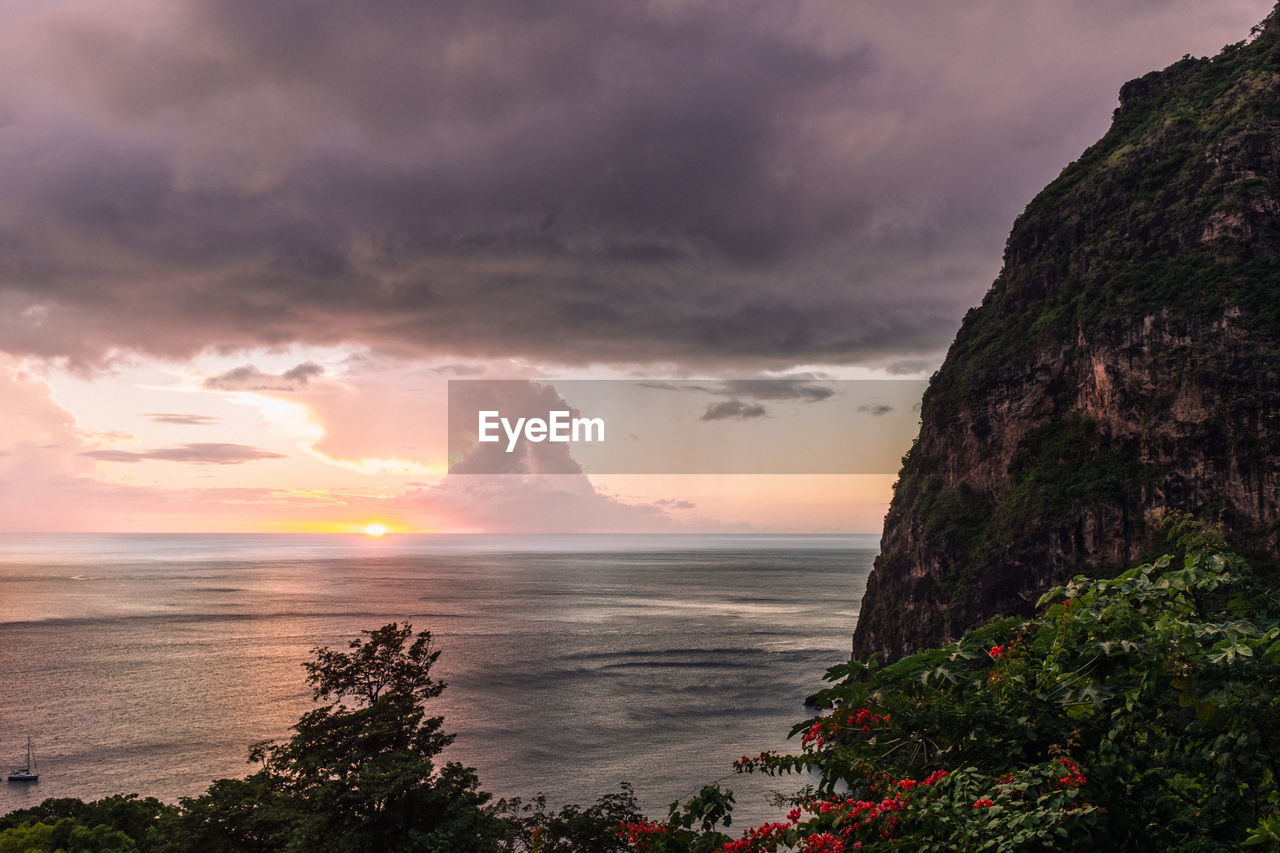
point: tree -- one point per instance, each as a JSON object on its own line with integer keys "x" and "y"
{"x": 381, "y": 665}
{"x": 531, "y": 828}
{"x": 135, "y": 817}
{"x": 65, "y": 835}
{"x": 358, "y": 774}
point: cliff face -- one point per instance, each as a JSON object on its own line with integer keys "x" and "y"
{"x": 1125, "y": 362}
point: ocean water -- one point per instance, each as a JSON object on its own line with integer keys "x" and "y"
{"x": 150, "y": 663}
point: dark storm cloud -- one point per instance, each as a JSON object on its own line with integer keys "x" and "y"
{"x": 250, "y": 378}
{"x": 181, "y": 419}
{"x": 725, "y": 184}
{"x": 198, "y": 454}
{"x": 733, "y": 409}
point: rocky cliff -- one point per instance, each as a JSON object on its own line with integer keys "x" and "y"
{"x": 1125, "y": 362}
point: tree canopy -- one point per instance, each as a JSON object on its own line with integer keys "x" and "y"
{"x": 353, "y": 777}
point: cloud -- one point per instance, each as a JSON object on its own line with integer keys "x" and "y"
{"x": 459, "y": 369}
{"x": 733, "y": 409}
{"x": 250, "y": 378}
{"x": 780, "y": 388}
{"x": 570, "y": 182}
{"x": 518, "y": 503}
{"x": 197, "y": 453}
{"x": 538, "y": 488}
{"x": 49, "y": 480}
{"x": 911, "y": 366}
{"x": 777, "y": 389}
{"x": 181, "y": 419}
{"x": 515, "y": 398}
{"x": 39, "y": 439}
{"x": 877, "y": 410}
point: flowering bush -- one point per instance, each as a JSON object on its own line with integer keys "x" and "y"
{"x": 1138, "y": 712}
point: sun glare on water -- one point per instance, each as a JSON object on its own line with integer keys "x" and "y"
{"x": 375, "y": 530}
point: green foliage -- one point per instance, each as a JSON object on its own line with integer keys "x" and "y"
{"x": 352, "y": 778}
{"x": 1128, "y": 230}
{"x": 383, "y": 664}
{"x": 126, "y": 813}
{"x": 1063, "y": 465}
{"x": 1137, "y": 712}
{"x": 955, "y": 519}
{"x": 531, "y": 828}
{"x": 1061, "y": 468}
{"x": 691, "y": 827}
{"x": 65, "y": 835}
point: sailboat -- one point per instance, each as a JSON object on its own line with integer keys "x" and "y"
{"x": 28, "y": 773}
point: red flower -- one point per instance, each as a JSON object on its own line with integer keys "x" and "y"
{"x": 824, "y": 843}
{"x": 641, "y": 833}
{"x": 935, "y": 776}
{"x": 769, "y": 835}
{"x": 983, "y": 803}
{"x": 1075, "y": 777}
{"x": 747, "y": 764}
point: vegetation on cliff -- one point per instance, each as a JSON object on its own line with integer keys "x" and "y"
{"x": 1126, "y": 361}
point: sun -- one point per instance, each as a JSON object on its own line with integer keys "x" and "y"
{"x": 375, "y": 530}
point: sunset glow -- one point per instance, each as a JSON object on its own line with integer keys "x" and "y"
{"x": 240, "y": 271}
{"x": 375, "y": 530}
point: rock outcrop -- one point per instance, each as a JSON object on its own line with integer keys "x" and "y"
{"x": 1126, "y": 362}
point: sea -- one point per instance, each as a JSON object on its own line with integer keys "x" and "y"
{"x": 149, "y": 664}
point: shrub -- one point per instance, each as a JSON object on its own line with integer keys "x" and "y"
{"x": 1138, "y": 712}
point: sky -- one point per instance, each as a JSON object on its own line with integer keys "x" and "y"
{"x": 244, "y": 246}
